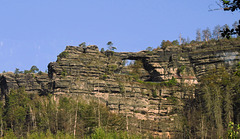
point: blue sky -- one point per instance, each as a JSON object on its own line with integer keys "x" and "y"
{"x": 34, "y": 32}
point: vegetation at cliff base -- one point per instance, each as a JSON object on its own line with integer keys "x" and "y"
{"x": 217, "y": 106}
{"x": 30, "y": 115}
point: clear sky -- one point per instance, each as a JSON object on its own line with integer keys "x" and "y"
{"x": 34, "y": 32}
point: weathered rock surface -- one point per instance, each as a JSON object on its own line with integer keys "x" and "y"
{"x": 33, "y": 83}
{"x": 103, "y": 76}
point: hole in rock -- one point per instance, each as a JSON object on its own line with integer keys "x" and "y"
{"x": 136, "y": 69}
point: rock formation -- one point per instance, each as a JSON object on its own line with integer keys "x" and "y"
{"x": 103, "y": 76}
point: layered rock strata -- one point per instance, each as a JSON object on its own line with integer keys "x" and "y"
{"x": 103, "y": 76}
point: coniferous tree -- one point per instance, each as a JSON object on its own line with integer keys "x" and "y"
{"x": 16, "y": 72}
{"x": 16, "y": 111}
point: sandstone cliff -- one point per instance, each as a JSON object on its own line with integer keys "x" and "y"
{"x": 149, "y": 98}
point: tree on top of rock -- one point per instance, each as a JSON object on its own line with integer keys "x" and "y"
{"x": 206, "y": 34}
{"x": 83, "y": 45}
{"x": 110, "y": 46}
{"x": 198, "y": 35}
{"x": 216, "y": 32}
{"x": 164, "y": 44}
{"x": 16, "y": 71}
{"x": 175, "y": 42}
{"x": 149, "y": 48}
{"x": 34, "y": 69}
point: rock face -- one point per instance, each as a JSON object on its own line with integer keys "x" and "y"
{"x": 103, "y": 76}
{"x": 33, "y": 83}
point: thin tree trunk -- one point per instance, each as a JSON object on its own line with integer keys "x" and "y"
{"x": 56, "y": 119}
{"x": 99, "y": 116}
{"x": 1, "y": 127}
{"x": 140, "y": 126}
{"x": 75, "y": 122}
{"x": 70, "y": 122}
{"x": 126, "y": 122}
{"x": 32, "y": 118}
{"x": 202, "y": 132}
{"x": 125, "y": 93}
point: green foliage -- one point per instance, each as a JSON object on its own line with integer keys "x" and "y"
{"x": 175, "y": 42}
{"x": 217, "y": 105}
{"x": 149, "y": 48}
{"x": 165, "y": 44}
{"x": 100, "y": 133}
{"x": 64, "y": 54}
{"x": 169, "y": 83}
{"x": 109, "y": 53}
{"x": 110, "y": 46}
{"x": 9, "y": 135}
{"x": 83, "y": 44}
{"x": 15, "y": 112}
{"x": 193, "y": 42}
{"x": 237, "y": 72}
{"x": 26, "y": 71}
{"x": 16, "y": 72}
{"x": 181, "y": 69}
{"x": 233, "y": 130}
{"x": 32, "y": 116}
{"x": 64, "y": 73}
{"x": 40, "y": 135}
{"x": 140, "y": 81}
{"x": 150, "y": 52}
{"x": 102, "y": 50}
{"x": 103, "y": 77}
{"x": 113, "y": 48}
{"x": 121, "y": 87}
{"x": 231, "y": 5}
{"x": 112, "y": 68}
{"x": 109, "y": 43}
{"x": 136, "y": 68}
{"x": 34, "y": 69}
{"x": 154, "y": 93}
{"x": 215, "y": 96}
{"x": 40, "y": 73}
{"x": 172, "y": 99}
